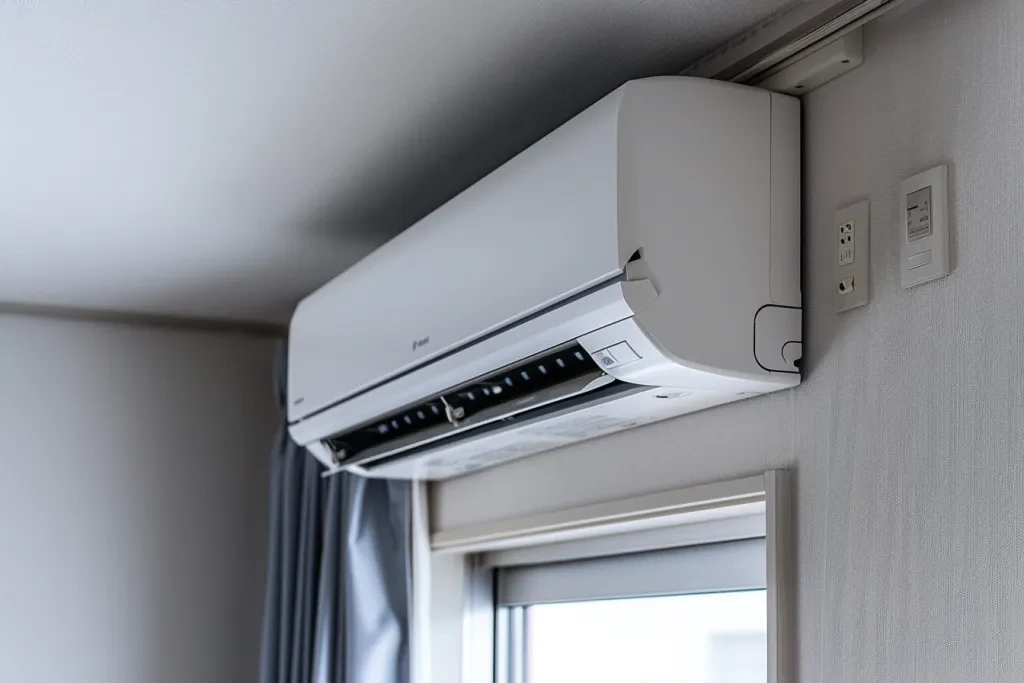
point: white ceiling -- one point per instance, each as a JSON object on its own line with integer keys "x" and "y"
{"x": 222, "y": 159}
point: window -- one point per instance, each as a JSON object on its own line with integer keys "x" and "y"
{"x": 683, "y": 586}
{"x": 702, "y": 638}
{"x": 681, "y": 615}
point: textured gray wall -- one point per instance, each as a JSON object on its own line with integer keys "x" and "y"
{"x": 907, "y": 437}
{"x": 133, "y": 487}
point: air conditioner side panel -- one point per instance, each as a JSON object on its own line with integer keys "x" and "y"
{"x": 696, "y": 184}
{"x": 786, "y": 117}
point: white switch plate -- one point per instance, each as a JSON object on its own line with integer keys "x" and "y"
{"x": 850, "y": 235}
{"x": 924, "y": 227}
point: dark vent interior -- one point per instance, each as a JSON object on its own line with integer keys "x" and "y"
{"x": 448, "y": 409}
{"x": 390, "y": 428}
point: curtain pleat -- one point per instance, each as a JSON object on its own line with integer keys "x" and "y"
{"x": 339, "y": 576}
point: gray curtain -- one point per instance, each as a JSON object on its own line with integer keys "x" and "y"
{"x": 339, "y": 574}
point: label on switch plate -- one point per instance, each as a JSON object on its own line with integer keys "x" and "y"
{"x": 919, "y": 214}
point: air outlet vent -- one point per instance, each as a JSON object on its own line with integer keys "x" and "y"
{"x": 503, "y": 391}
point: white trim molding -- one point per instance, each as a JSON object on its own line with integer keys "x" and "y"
{"x": 780, "y": 559}
{"x": 658, "y": 510}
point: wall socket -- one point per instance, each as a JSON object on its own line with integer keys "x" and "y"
{"x": 846, "y": 244}
{"x": 851, "y": 230}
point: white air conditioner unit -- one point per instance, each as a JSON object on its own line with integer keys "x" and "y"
{"x": 640, "y": 262}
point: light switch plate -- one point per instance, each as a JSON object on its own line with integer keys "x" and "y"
{"x": 850, "y": 266}
{"x": 924, "y": 227}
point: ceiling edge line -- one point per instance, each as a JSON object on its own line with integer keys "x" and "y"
{"x": 152, "y": 320}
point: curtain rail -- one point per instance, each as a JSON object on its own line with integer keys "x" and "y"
{"x": 787, "y": 37}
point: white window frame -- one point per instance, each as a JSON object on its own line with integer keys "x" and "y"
{"x": 455, "y": 618}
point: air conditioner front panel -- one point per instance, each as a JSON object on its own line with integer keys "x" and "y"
{"x": 536, "y": 231}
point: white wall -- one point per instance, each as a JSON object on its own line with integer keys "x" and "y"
{"x": 133, "y": 487}
{"x": 907, "y": 437}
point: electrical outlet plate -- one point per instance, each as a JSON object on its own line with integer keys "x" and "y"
{"x": 924, "y": 227}
{"x": 850, "y": 235}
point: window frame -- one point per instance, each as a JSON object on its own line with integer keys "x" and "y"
{"x": 510, "y": 644}
{"x": 463, "y": 581}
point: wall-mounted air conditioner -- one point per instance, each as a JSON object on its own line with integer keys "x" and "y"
{"x": 640, "y": 262}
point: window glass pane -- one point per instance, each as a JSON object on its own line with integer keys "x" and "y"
{"x": 706, "y": 638}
